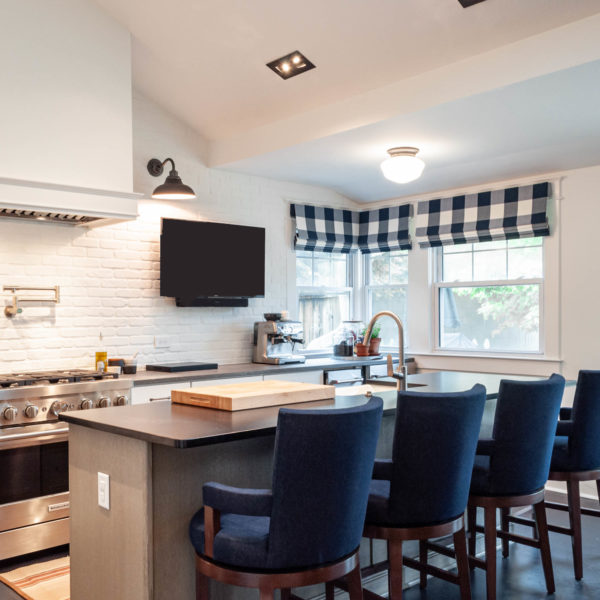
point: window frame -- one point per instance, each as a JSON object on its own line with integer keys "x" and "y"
{"x": 438, "y": 284}
{"x": 307, "y": 290}
{"x": 368, "y": 287}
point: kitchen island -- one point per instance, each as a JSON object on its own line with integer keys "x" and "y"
{"x": 158, "y": 456}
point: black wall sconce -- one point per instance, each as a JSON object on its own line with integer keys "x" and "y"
{"x": 173, "y": 188}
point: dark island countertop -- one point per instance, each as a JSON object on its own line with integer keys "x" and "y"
{"x": 250, "y": 369}
{"x": 183, "y": 426}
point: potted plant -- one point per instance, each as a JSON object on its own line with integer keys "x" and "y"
{"x": 373, "y": 347}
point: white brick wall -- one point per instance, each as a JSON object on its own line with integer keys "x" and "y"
{"x": 109, "y": 276}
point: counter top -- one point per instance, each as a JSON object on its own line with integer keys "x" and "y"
{"x": 183, "y": 426}
{"x": 250, "y": 369}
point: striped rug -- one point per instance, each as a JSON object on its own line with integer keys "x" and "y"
{"x": 40, "y": 581}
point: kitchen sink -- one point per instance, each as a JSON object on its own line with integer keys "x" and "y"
{"x": 389, "y": 381}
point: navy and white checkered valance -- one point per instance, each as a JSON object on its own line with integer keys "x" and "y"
{"x": 384, "y": 229}
{"x": 321, "y": 229}
{"x": 516, "y": 212}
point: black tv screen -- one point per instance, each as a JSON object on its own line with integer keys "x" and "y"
{"x": 203, "y": 260}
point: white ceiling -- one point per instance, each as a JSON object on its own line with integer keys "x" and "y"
{"x": 545, "y": 124}
{"x": 204, "y": 61}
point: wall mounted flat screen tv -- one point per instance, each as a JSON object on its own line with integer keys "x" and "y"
{"x": 201, "y": 260}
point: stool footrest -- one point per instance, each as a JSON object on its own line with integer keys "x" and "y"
{"x": 522, "y": 521}
{"x": 430, "y": 570}
{"x": 520, "y": 539}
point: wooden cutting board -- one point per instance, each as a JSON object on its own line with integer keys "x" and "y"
{"x": 254, "y": 394}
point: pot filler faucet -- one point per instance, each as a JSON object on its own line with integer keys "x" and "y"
{"x": 400, "y": 375}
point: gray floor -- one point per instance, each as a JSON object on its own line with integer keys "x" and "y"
{"x": 520, "y": 577}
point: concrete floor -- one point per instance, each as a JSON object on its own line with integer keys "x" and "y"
{"x": 520, "y": 576}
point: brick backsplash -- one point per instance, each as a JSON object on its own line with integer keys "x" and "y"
{"x": 109, "y": 276}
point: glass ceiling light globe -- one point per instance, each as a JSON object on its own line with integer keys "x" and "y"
{"x": 403, "y": 165}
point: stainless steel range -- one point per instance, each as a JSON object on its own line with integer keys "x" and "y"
{"x": 34, "y": 477}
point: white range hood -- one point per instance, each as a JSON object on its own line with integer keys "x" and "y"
{"x": 67, "y": 204}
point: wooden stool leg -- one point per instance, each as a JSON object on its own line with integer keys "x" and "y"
{"x": 471, "y": 523}
{"x": 423, "y": 561}
{"x": 266, "y": 593}
{"x": 462, "y": 562}
{"x": 574, "y": 502}
{"x": 329, "y": 591}
{"x": 504, "y": 526}
{"x": 542, "y": 527}
{"x": 202, "y": 584}
{"x": 490, "y": 551}
{"x": 354, "y": 584}
{"x": 286, "y": 593}
{"x": 395, "y": 570}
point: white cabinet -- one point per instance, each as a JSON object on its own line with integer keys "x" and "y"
{"x": 153, "y": 393}
{"x": 162, "y": 391}
{"x": 300, "y": 377}
{"x": 225, "y": 381}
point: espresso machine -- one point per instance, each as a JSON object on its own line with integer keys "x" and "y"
{"x": 274, "y": 342}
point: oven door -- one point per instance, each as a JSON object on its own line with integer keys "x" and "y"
{"x": 34, "y": 493}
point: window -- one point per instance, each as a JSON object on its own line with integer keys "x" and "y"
{"x": 489, "y": 296}
{"x": 324, "y": 294}
{"x": 386, "y": 280}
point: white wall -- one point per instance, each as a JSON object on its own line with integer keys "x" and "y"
{"x": 572, "y": 286}
{"x": 580, "y": 271}
{"x": 109, "y": 276}
{"x": 65, "y": 106}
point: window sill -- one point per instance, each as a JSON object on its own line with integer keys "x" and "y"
{"x": 529, "y": 357}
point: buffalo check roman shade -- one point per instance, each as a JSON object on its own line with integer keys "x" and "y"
{"x": 338, "y": 230}
{"x": 384, "y": 229}
{"x": 515, "y": 212}
{"x": 321, "y": 229}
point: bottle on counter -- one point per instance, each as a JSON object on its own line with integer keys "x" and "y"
{"x": 101, "y": 361}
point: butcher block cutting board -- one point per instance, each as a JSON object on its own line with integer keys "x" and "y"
{"x": 255, "y": 394}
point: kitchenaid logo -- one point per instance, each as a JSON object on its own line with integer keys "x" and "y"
{"x": 58, "y": 506}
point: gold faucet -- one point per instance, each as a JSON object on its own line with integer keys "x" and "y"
{"x": 400, "y": 375}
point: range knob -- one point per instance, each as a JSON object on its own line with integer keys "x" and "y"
{"x": 86, "y": 403}
{"x": 104, "y": 402}
{"x": 121, "y": 401}
{"x": 31, "y": 411}
{"x": 57, "y": 407}
{"x": 10, "y": 413}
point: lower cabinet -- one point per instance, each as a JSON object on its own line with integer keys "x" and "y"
{"x": 152, "y": 393}
{"x": 225, "y": 381}
{"x": 162, "y": 391}
{"x": 301, "y": 377}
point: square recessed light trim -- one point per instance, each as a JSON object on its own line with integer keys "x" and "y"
{"x": 290, "y": 65}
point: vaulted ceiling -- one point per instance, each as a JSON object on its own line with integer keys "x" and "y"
{"x": 486, "y": 92}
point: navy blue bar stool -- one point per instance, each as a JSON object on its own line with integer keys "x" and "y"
{"x": 307, "y": 529}
{"x": 421, "y": 492}
{"x": 576, "y": 457}
{"x": 512, "y": 468}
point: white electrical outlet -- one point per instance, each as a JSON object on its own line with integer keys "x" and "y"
{"x": 161, "y": 341}
{"x": 103, "y": 490}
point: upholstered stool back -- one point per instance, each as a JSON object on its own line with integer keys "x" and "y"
{"x": 435, "y": 438}
{"x": 584, "y": 441}
{"x": 321, "y": 475}
{"x": 524, "y": 427}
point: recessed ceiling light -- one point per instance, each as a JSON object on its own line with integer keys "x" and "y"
{"x": 291, "y": 64}
{"x": 467, "y": 3}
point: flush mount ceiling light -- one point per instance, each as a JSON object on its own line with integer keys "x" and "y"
{"x": 173, "y": 188}
{"x": 290, "y": 65}
{"x": 403, "y": 165}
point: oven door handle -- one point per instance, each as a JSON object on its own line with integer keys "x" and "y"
{"x": 31, "y": 434}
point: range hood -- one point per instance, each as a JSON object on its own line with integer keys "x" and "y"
{"x": 67, "y": 204}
